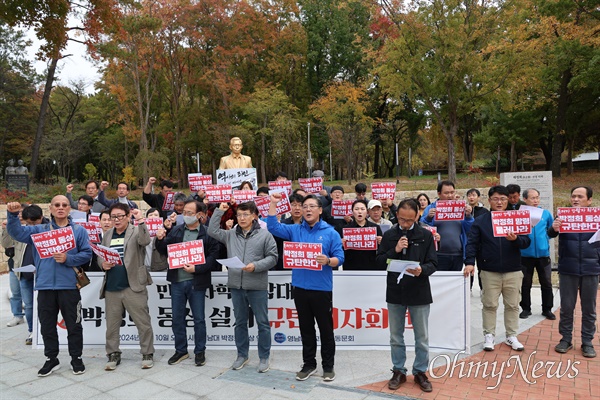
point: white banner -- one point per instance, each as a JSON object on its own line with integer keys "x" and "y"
{"x": 360, "y": 314}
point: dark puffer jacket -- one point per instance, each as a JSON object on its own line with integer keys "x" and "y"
{"x": 575, "y": 255}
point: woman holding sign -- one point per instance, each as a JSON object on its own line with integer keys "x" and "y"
{"x": 360, "y": 239}
{"x": 312, "y": 285}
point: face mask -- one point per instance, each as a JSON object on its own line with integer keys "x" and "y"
{"x": 190, "y": 219}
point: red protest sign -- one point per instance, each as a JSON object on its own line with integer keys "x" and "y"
{"x": 93, "y": 230}
{"x": 263, "y": 204}
{"x": 341, "y": 208}
{"x": 94, "y": 218}
{"x": 433, "y": 231}
{"x": 516, "y": 221}
{"x": 243, "y": 196}
{"x": 281, "y": 185}
{"x": 54, "y": 241}
{"x": 154, "y": 224}
{"x": 301, "y": 255}
{"x": 180, "y": 254}
{"x": 168, "y": 204}
{"x": 107, "y": 254}
{"x": 579, "y": 219}
{"x": 218, "y": 193}
{"x": 383, "y": 190}
{"x": 198, "y": 181}
{"x": 360, "y": 238}
{"x": 450, "y": 210}
{"x": 311, "y": 185}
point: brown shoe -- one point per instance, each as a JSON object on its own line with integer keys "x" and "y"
{"x": 423, "y": 382}
{"x": 397, "y": 379}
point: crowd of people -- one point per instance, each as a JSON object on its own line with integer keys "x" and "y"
{"x": 406, "y": 231}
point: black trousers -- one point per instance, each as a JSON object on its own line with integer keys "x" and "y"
{"x": 68, "y": 302}
{"x": 315, "y": 305}
{"x": 544, "y": 270}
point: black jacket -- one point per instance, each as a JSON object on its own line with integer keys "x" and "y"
{"x": 202, "y": 276}
{"x": 575, "y": 255}
{"x": 494, "y": 254}
{"x": 362, "y": 260}
{"x": 411, "y": 291}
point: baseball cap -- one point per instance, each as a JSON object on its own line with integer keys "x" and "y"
{"x": 374, "y": 203}
{"x": 317, "y": 173}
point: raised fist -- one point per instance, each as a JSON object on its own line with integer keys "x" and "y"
{"x": 69, "y": 188}
{"x": 152, "y": 180}
{"x": 13, "y": 207}
{"x": 103, "y": 185}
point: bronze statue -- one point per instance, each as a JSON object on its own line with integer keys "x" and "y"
{"x": 236, "y": 159}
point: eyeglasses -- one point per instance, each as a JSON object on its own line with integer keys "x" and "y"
{"x": 244, "y": 216}
{"x": 405, "y": 221}
{"x": 188, "y": 213}
{"x": 83, "y": 203}
{"x": 498, "y": 199}
{"x": 63, "y": 205}
{"x": 310, "y": 206}
{"x": 118, "y": 217}
{"x": 296, "y": 205}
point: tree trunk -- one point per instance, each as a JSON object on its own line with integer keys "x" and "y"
{"x": 561, "y": 121}
{"x": 263, "y": 170}
{"x": 450, "y": 135}
{"x": 513, "y": 156}
{"x": 35, "y": 155}
{"x": 570, "y": 156}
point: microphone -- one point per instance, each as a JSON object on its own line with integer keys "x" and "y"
{"x": 403, "y": 233}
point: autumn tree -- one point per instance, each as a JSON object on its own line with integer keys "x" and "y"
{"x": 343, "y": 110}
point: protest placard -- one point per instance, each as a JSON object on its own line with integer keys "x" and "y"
{"x": 383, "y": 190}
{"x": 54, "y": 241}
{"x": 579, "y": 219}
{"x": 360, "y": 238}
{"x": 301, "y": 255}
{"x": 180, "y": 254}
{"x": 311, "y": 185}
{"x": 450, "y": 210}
{"x": 516, "y": 221}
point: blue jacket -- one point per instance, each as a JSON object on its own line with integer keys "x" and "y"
{"x": 322, "y": 233}
{"x": 539, "y": 247}
{"x": 465, "y": 225}
{"x": 494, "y": 254}
{"x": 575, "y": 255}
{"x": 51, "y": 275}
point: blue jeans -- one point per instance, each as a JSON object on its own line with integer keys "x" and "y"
{"x": 16, "y": 302}
{"x": 420, "y": 320}
{"x": 257, "y": 299}
{"x": 27, "y": 296}
{"x": 181, "y": 294}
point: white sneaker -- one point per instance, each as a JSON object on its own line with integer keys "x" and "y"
{"x": 513, "y": 342}
{"x": 488, "y": 343}
{"x": 15, "y": 321}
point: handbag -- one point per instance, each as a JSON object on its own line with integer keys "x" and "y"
{"x": 82, "y": 279}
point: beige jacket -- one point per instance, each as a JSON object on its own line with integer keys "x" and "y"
{"x": 136, "y": 240}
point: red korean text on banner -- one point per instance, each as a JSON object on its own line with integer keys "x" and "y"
{"x": 360, "y": 238}
{"x": 433, "y": 231}
{"x": 311, "y": 185}
{"x": 579, "y": 219}
{"x": 285, "y": 185}
{"x": 301, "y": 255}
{"x": 263, "y": 204}
{"x": 450, "y": 210}
{"x": 383, "y": 190}
{"x": 54, "y": 241}
{"x": 111, "y": 256}
{"x": 198, "y": 181}
{"x": 341, "y": 208}
{"x": 94, "y": 218}
{"x": 93, "y": 230}
{"x": 180, "y": 254}
{"x": 516, "y": 221}
{"x": 168, "y": 204}
{"x": 243, "y": 196}
{"x": 154, "y": 224}
{"x": 218, "y": 193}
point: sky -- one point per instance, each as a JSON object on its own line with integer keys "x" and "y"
{"x": 70, "y": 69}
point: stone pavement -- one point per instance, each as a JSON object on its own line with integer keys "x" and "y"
{"x": 356, "y": 371}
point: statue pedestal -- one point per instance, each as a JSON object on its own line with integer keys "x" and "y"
{"x": 17, "y": 182}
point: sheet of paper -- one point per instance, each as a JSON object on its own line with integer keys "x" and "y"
{"x": 78, "y": 216}
{"x": 401, "y": 266}
{"x": 233, "y": 262}
{"x": 25, "y": 268}
{"x": 535, "y": 213}
{"x": 595, "y": 240}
